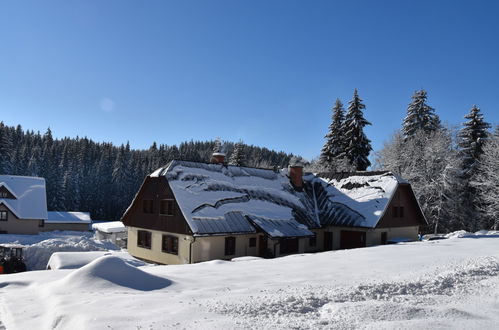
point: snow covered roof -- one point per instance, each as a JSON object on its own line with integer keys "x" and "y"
{"x": 68, "y": 217}
{"x": 109, "y": 227}
{"x": 216, "y": 198}
{"x": 281, "y": 228}
{"x": 30, "y": 201}
{"x": 363, "y": 196}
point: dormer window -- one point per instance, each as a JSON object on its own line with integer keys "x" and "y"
{"x": 3, "y": 194}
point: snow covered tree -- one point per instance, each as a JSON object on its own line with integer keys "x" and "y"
{"x": 237, "y": 156}
{"x": 423, "y": 161}
{"x": 6, "y": 150}
{"x": 358, "y": 146}
{"x": 217, "y": 145}
{"x": 420, "y": 116}
{"x": 486, "y": 185}
{"x": 333, "y": 151}
{"x": 471, "y": 139}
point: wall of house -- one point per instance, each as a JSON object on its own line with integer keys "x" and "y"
{"x": 213, "y": 247}
{"x": 155, "y": 253}
{"x": 14, "y": 225}
{"x": 373, "y": 236}
{"x": 65, "y": 226}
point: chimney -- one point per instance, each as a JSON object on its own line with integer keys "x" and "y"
{"x": 296, "y": 176}
{"x": 218, "y": 158}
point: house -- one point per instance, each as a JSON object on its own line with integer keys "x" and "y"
{"x": 23, "y": 204}
{"x": 75, "y": 221}
{"x": 189, "y": 212}
{"x": 23, "y": 208}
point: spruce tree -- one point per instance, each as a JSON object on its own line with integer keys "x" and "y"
{"x": 237, "y": 156}
{"x": 334, "y": 147}
{"x": 420, "y": 116}
{"x": 358, "y": 146}
{"x": 217, "y": 146}
{"x": 471, "y": 139}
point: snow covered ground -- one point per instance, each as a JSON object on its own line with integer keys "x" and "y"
{"x": 443, "y": 284}
{"x": 39, "y": 248}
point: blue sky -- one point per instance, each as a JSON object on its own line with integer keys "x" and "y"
{"x": 266, "y": 72}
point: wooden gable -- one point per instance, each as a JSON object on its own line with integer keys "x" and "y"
{"x": 6, "y": 193}
{"x": 145, "y": 210}
{"x": 403, "y": 210}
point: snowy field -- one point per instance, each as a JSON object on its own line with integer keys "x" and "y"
{"x": 441, "y": 284}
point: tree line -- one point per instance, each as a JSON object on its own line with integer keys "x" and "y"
{"x": 100, "y": 178}
{"x": 454, "y": 172}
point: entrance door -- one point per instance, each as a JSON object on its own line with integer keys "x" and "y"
{"x": 262, "y": 247}
{"x": 352, "y": 239}
{"x": 328, "y": 241}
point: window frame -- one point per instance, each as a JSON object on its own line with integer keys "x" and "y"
{"x": 312, "y": 241}
{"x": 148, "y": 206}
{"x": 2, "y": 212}
{"x": 230, "y": 246}
{"x": 147, "y": 241}
{"x": 171, "y": 244}
{"x": 252, "y": 242}
{"x": 170, "y": 206}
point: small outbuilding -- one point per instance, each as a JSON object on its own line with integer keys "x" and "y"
{"x": 75, "y": 221}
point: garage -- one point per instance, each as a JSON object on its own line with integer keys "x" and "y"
{"x": 352, "y": 239}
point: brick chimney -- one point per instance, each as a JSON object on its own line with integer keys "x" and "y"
{"x": 218, "y": 158}
{"x": 296, "y": 176}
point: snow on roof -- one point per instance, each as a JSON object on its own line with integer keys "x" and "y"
{"x": 216, "y": 198}
{"x": 365, "y": 194}
{"x": 281, "y": 228}
{"x": 30, "y": 200}
{"x": 109, "y": 227}
{"x": 68, "y": 217}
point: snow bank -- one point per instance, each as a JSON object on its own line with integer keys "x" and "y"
{"x": 39, "y": 248}
{"x": 107, "y": 272}
{"x": 73, "y": 260}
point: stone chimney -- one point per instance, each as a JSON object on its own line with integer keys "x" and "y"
{"x": 218, "y": 158}
{"x": 296, "y": 176}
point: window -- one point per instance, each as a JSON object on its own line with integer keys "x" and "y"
{"x": 252, "y": 242}
{"x": 288, "y": 245}
{"x": 169, "y": 244}
{"x": 166, "y": 207}
{"x": 41, "y": 223}
{"x": 312, "y": 241}
{"x": 230, "y": 246}
{"x": 398, "y": 212}
{"x": 148, "y": 206}
{"x": 4, "y": 194}
{"x": 384, "y": 237}
{"x": 4, "y": 216}
{"x": 144, "y": 239}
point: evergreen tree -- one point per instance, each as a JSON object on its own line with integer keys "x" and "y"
{"x": 237, "y": 156}
{"x": 358, "y": 146}
{"x": 217, "y": 145}
{"x": 420, "y": 116}
{"x": 334, "y": 147}
{"x": 6, "y": 150}
{"x": 472, "y": 137}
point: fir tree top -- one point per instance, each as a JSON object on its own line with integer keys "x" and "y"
{"x": 237, "y": 156}
{"x": 334, "y": 146}
{"x": 358, "y": 145}
{"x": 472, "y": 137}
{"x": 420, "y": 116}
